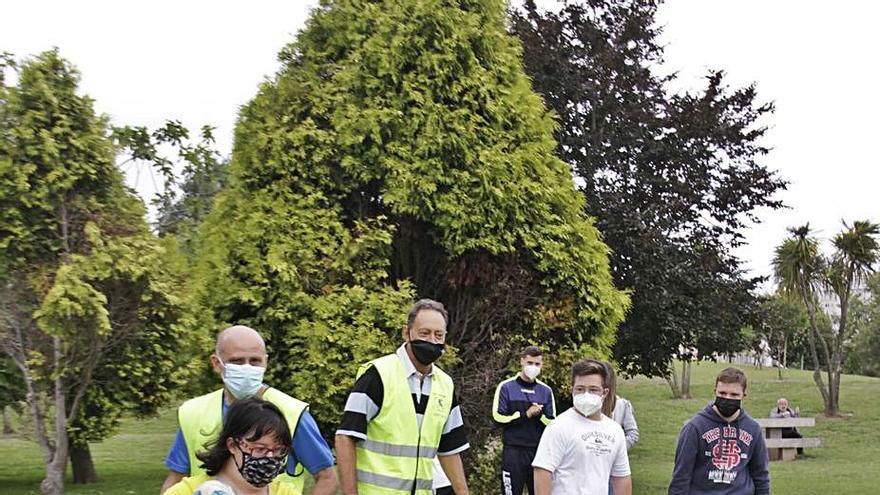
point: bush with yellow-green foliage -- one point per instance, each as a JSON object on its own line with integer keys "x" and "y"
{"x": 92, "y": 302}
{"x": 400, "y": 153}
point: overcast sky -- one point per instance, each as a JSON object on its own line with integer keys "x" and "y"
{"x": 198, "y": 61}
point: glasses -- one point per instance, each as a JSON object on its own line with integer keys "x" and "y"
{"x": 258, "y": 450}
{"x": 594, "y": 391}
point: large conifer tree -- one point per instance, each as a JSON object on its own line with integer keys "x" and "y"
{"x": 401, "y": 152}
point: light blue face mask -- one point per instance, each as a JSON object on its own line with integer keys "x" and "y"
{"x": 242, "y": 380}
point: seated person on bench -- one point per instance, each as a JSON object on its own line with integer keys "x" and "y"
{"x": 783, "y": 411}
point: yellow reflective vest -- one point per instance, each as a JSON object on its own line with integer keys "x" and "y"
{"x": 397, "y": 455}
{"x": 201, "y": 420}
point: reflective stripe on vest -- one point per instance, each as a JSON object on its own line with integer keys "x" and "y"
{"x": 396, "y": 456}
{"x": 398, "y": 450}
{"x": 396, "y": 484}
{"x": 201, "y": 420}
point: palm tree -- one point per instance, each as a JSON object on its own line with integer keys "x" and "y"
{"x": 797, "y": 267}
{"x": 856, "y": 252}
{"x": 800, "y": 270}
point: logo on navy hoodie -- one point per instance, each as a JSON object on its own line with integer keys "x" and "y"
{"x": 725, "y": 451}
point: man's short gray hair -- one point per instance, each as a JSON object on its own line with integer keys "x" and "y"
{"x": 425, "y": 304}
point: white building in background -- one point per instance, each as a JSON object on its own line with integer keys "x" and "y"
{"x": 830, "y": 304}
{"x": 760, "y": 357}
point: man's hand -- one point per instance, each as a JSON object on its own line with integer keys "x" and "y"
{"x": 534, "y": 410}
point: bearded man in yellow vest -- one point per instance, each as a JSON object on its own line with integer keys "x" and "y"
{"x": 240, "y": 359}
{"x": 401, "y": 413}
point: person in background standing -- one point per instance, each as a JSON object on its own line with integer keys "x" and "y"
{"x": 621, "y": 411}
{"x": 523, "y": 406}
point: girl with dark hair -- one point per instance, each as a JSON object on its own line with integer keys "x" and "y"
{"x": 249, "y": 453}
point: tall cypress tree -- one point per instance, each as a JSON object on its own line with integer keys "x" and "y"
{"x": 401, "y": 152}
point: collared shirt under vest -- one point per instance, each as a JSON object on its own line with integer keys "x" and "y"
{"x": 402, "y": 420}
{"x": 201, "y": 420}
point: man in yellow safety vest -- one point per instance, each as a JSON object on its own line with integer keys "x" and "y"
{"x": 240, "y": 359}
{"x": 402, "y": 411}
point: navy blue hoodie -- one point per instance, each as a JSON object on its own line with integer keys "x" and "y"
{"x": 720, "y": 458}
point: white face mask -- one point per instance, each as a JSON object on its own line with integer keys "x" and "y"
{"x": 587, "y": 403}
{"x": 531, "y": 371}
{"x": 242, "y": 380}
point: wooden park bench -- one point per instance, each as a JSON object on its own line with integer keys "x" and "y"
{"x": 785, "y": 449}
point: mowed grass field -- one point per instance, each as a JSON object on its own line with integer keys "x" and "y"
{"x": 131, "y": 461}
{"x": 847, "y": 463}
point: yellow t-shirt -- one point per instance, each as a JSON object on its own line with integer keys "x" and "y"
{"x": 187, "y": 486}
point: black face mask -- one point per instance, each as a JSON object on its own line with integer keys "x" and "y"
{"x": 260, "y": 471}
{"x": 426, "y": 352}
{"x": 727, "y": 407}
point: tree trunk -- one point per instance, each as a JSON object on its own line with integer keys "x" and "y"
{"x": 686, "y": 380}
{"x": 53, "y": 483}
{"x": 784, "y": 362}
{"x": 835, "y": 365}
{"x": 833, "y": 407}
{"x": 785, "y": 351}
{"x": 681, "y": 388}
{"x": 82, "y": 465}
{"x": 672, "y": 380}
{"x": 31, "y": 394}
{"x": 7, "y": 426}
{"x": 814, "y": 336}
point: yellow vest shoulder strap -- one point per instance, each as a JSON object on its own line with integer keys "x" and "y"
{"x": 291, "y": 408}
{"x": 200, "y": 420}
{"x": 387, "y": 362}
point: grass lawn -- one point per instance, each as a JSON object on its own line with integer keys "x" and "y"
{"x": 131, "y": 461}
{"x": 844, "y": 464}
{"x": 127, "y": 463}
